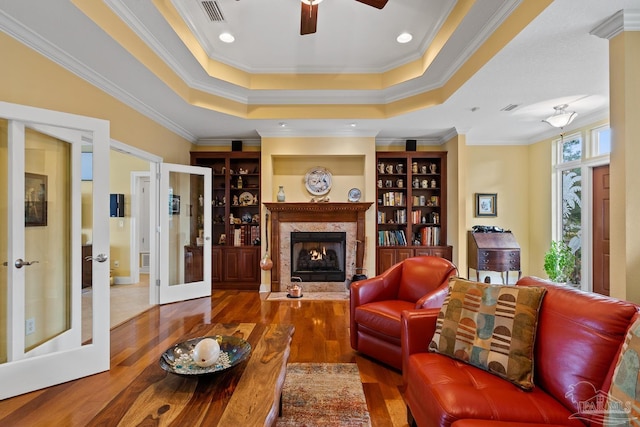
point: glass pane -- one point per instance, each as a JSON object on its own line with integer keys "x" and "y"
{"x": 47, "y": 237}
{"x": 186, "y": 210}
{"x": 603, "y": 137}
{"x": 86, "y": 203}
{"x": 572, "y": 216}
{"x": 571, "y": 150}
{"x": 4, "y": 186}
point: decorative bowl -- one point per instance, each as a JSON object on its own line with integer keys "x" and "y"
{"x": 179, "y": 360}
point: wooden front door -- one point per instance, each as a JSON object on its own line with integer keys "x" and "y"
{"x": 601, "y": 230}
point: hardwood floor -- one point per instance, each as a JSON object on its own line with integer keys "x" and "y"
{"x": 321, "y": 335}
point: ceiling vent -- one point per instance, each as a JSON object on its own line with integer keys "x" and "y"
{"x": 212, "y": 9}
{"x": 509, "y": 107}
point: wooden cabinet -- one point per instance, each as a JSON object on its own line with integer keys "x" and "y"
{"x": 235, "y": 212}
{"x": 493, "y": 252}
{"x": 411, "y": 206}
{"x": 193, "y": 268}
{"x": 390, "y": 256}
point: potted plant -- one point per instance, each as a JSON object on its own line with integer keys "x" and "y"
{"x": 559, "y": 262}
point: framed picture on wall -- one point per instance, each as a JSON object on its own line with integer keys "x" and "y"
{"x": 35, "y": 200}
{"x": 486, "y": 204}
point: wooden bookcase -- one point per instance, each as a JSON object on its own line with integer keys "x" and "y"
{"x": 411, "y": 190}
{"x": 235, "y": 211}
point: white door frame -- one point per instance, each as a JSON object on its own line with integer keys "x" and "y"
{"x": 134, "y": 253}
{"x": 154, "y": 161}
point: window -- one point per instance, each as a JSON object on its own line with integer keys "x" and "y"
{"x": 575, "y": 155}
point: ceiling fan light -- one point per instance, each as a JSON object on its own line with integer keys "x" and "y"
{"x": 311, "y": 2}
{"x": 404, "y": 38}
{"x": 227, "y": 37}
{"x": 561, "y": 118}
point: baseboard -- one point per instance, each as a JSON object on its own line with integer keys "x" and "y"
{"x": 122, "y": 280}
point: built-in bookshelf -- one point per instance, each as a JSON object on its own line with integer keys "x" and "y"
{"x": 235, "y": 211}
{"x": 411, "y": 206}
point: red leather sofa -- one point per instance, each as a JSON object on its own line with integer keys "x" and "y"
{"x": 377, "y": 303}
{"x": 577, "y": 344}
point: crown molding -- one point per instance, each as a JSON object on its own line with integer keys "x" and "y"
{"x": 622, "y": 20}
{"x": 52, "y": 52}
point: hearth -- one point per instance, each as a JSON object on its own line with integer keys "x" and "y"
{"x": 318, "y": 256}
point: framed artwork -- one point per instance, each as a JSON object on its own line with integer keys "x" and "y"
{"x": 486, "y": 204}
{"x": 35, "y": 200}
{"x": 174, "y": 205}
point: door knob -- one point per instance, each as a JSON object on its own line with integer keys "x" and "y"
{"x": 19, "y": 263}
{"x": 101, "y": 257}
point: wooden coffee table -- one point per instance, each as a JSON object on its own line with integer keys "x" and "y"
{"x": 245, "y": 395}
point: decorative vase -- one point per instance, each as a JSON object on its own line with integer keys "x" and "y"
{"x": 281, "y": 193}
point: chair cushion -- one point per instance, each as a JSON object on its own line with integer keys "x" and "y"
{"x": 491, "y": 327}
{"x": 624, "y": 395}
{"x": 382, "y": 316}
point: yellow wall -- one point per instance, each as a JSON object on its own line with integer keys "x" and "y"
{"x": 28, "y": 78}
{"x": 120, "y": 228}
{"x": 503, "y": 170}
{"x": 351, "y": 161}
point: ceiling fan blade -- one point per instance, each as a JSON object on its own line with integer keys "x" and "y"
{"x": 308, "y": 19}
{"x": 378, "y": 4}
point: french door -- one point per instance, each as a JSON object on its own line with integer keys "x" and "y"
{"x": 184, "y": 232}
{"x": 46, "y": 213}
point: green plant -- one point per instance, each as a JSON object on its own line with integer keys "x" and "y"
{"x": 559, "y": 262}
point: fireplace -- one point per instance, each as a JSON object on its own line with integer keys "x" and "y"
{"x": 318, "y": 256}
{"x": 331, "y": 217}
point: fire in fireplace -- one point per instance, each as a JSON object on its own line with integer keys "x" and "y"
{"x": 318, "y": 256}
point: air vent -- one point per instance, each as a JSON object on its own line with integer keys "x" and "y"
{"x": 213, "y": 11}
{"x": 509, "y": 107}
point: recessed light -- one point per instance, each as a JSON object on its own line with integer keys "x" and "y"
{"x": 353, "y": 125}
{"x": 227, "y": 37}
{"x": 282, "y": 124}
{"x": 404, "y": 38}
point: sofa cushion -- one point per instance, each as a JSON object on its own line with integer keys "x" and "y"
{"x": 578, "y": 341}
{"x": 491, "y": 327}
{"x": 443, "y": 390}
{"x": 624, "y": 395}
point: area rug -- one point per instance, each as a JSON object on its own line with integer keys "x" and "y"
{"x": 310, "y": 296}
{"x": 323, "y": 394}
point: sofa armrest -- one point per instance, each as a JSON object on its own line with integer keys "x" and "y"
{"x": 435, "y": 298}
{"x": 416, "y": 330}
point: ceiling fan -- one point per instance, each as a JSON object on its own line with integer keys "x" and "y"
{"x": 309, "y": 17}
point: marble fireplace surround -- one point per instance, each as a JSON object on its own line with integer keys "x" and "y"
{"x": 288, "y": 217}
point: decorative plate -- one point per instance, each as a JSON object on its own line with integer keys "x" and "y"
{"x": 179, "y": 360}
{"x": 318, "y": 181}
{"x": 354, "y": 195}
{"x": 246, "y": 199}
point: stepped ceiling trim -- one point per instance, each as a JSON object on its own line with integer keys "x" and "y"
{"x": 509, "y": 27}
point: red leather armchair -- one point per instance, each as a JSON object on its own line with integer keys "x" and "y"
{"x": 377, "y": 303}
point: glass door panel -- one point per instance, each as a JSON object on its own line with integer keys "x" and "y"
{"x": 185, "y": 238}
{"x": 47, "y": 238}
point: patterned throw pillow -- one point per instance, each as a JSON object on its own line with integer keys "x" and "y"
{"x": 624, "y": 395}
{"x": 491, "y": 327}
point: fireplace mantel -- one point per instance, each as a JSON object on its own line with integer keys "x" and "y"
{"x": 313, "y": 212}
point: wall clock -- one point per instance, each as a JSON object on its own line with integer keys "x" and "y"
{"x": 318, "y": 181}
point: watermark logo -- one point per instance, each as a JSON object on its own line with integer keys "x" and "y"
{"x": 599, "y": 407}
